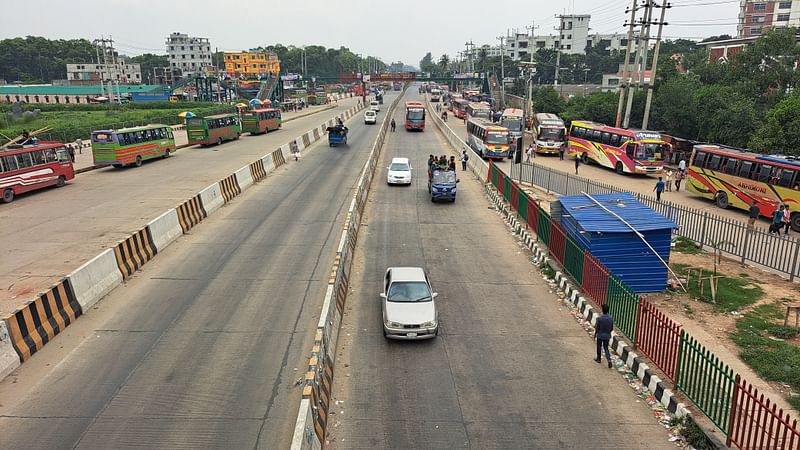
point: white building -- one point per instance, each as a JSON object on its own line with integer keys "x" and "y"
{"x": 190, "y": 54}
{"x": 90, "y": 74}
{"x": 758, "y": 16}
{"x": 573, "y": 39}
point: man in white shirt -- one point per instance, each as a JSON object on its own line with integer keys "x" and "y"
{"x": 682, "y": 166}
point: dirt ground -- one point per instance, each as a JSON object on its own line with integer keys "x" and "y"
{"x": 710, "y": 327}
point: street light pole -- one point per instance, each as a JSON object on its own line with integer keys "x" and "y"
{"x": 502, "y": 73}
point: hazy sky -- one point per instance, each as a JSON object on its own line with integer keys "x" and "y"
{"x": 398, "y": 30}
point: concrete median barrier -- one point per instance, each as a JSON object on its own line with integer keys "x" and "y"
{"x": 165, "y": 229}
{"x": 244, "y": 179}
{"x": 212, "y": 199}
{"x": 257, "y": 170}
{"x": 268, "y": 162}
{"x": 190, "y": 213}
{"x": 229, "y": 188}
{"x": 93, "y": 280}
{"x": 9, "y": 359}
{"x": 39, "y": 321}
{"x": 134, "y": 252}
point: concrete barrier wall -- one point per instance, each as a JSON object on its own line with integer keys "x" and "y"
{"x": 165, "y": 229}
{"x": 9, "y": 359}
{"x": 93, "y": 280}
{"x": 257, "y": 170}
{"x": 475, "y": 163}
{"x": 229, "y": 188}
{"x": 191, "y": 213}
{"x": 212, "y": 198}
{"x": 134, "y": 252}
{"x": 244, "y": 178}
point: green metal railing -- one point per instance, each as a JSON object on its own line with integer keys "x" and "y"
{"x": 573, "y": 260}
{"x": 623, "y": 304}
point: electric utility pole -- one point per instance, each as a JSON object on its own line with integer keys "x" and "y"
{"x": 646, "y": 119}
{"x": 625, "y": 74}
{"x": 560, "y": 30}
{"x": 502, "y": 73}
{"x": 638, "y": 68}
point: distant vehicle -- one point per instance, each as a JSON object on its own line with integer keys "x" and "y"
{"x": 459, "y": 107}
{"x": 736, "y": 177}
{"x": 513, "y": 119}
{"x": 409, "y": 310}
{"x": 375, "y": 105}
{"x": 415, "y": 116}
{"x": 25, "y": 168}
{"x": 337, "y": 135}
{"x": 397, "y": 86}
{"x": 549, "y": 133}
{"x": 479, "y": 110}
{"x": 442, "y": 185}
{"x": 259, "y": 121}
{"x": 486, "y": 139}
{"x": 399, "y": 171}
{"x": 370, "y": 117}
{"x": 379, "y": 97}
{"x": 624, "y": 150}
{"x": 473, "y": 95}
{"x": 128, "y": 146}
{"x": 436, "y": 94}
{"x": 213, "y": 129}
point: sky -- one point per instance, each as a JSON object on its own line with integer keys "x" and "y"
{"x": 392, "y": 31}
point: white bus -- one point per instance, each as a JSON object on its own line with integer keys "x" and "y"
{"x": 488, "y": 140}
{"x": 549, "y": 133}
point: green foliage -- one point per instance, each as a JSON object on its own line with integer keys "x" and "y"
{"x": 674, "y": 109}
{"x": 725, "y": 115}
{"x": 686, "y": 245}
{"x": 34, "y": 59}
{"x": 733, "y": 294}
{"x": 598, "y": 107}
{"x": 321, "y": 61}
{"x": 148, "y": 61}
{"x": 692, "y": 432}
{"x": 771, "y": 359}
{"x": 546, "y": 100}
{"x": 781, "y": 129}
{"x": 547, "y": 270}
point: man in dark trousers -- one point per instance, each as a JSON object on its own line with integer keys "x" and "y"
{"x": 602, "y": 333}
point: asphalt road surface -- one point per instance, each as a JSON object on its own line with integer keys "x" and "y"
{"x": 201, "y": 349}
{"x": 510, "y": 369}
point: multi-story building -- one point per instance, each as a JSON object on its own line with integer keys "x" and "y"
{"x": 573, "y": 38}
{"x": 758, "y": 16}
{"x": 251, "y": 65}
{"x": 89, "y": 74}
{"x": 189, "y": 54}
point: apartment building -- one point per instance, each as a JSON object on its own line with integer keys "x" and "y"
{"x": 251, "y": 65}
{"x": 89, "y": 74}
{"x": 189, "y": 54}
{"x": 758, "y": 16}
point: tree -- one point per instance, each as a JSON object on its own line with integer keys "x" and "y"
{"x": 780, "y": 133}
{"x": 546, "y": 100}
{"x": 724, "y": 115}
{"x": 36, "y": 59}
{"x": 148, "y": 61}
{"x": 444, "y": 63}
{"x": 597, "y": 107}
{"x": 426, "y": 63}
{"x": 674, "y": 109}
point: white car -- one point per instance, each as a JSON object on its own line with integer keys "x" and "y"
{"x": 374, "y": 106}
{"x": 370, "y": 117}
{"x": 399, "y": 171}
{"x": 409, "y": 310}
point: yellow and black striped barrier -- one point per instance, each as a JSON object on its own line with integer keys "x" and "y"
{"x": 134, "y": 252}
{"x": 229, "y": 187}
{"x": 36, "y": 323}
{"x": 277, "y": 158}
{"x": 191, "y": 212}
{"x": 257, "y": 170}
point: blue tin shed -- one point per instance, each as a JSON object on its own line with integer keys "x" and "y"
{"x": 613, "y": 243}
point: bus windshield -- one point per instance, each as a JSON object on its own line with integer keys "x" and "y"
{"x": 512, "y": 123}
{"x": 652, "y": 151}
{"x": 497, "y": 137}
{"x": 552, "y": 134}
{"x": 415, "y": 114}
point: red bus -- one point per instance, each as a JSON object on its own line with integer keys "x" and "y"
{"x": 415, "y": 116}
{"x": 460, "y": 107}
{"x": 626, "y": 151}
{"x": 25, "y": 168}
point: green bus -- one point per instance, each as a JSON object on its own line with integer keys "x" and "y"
{"x": 213, "y": 129}
{"x": 258, "y": 121}
{"x": 128, "y": 146}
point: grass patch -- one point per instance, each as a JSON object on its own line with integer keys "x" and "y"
{"x": 692, "y": 433}
{"x": 771, "y": 359}
{"x": 686, "y": 245}
{"x": 794, "y": 401}
{"x": 547, "y": 270}
{"x": 732, "y": 293}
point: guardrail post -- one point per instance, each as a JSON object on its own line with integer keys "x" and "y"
{"x": 703, "y": 229}
{"x": 794, "y": 268}
{"x": 549, "y": 173}
{"x": 566, "y": 188}
{"x": 746, "y": 246}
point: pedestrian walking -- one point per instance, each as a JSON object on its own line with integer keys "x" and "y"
{"x": 668, "y": 182}
{"x": 71, "y": 152}
{"x": 464, "y": 159}
{"x": 529, "y": 153}
{"x": 682, "y": 165}
{"x": 777, "y": 221}
{"x": 561, "y": 153}
{"x": 602, "y": 334}
{"x": 577, "y": 163}
{"x": 659, "y": 188}
{"x": 787, "y": 220}
{"x": 752, "y": 214}
{"x": 678, "y": 178}
{"x": 392, "y": 124}
{"x": 79, "y": 145}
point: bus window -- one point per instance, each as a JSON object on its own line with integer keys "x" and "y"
{"x": 605, "y": 138}
{"x": 24, "y": 160}
{"x": 10, "y": 163}
{"x": 596, "y": 135}
{"x": 616, "y": 140}
{"x": 50, "y": 155}
{"x": 730, "y": 166}
{"x": 764, "y": 171}
{"x": 713, "y": 164}
{"x": 630, "y": 150}
{"x": 745, "y": 169}
{"x": 786, "y": 178}
{"x": 38, "y": 157}
{"x": 699, "y": 159}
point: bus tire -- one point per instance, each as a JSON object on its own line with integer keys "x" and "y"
{"x": 722, "y": 200}
{"x": 138, "y": 162}
{"x": 794, "y": 220}
{"x": 117, "y": 166}
{"x": 219, "y": 141}
{"x": 166, "y": 154}
{"x": 8, "y": 195}
{"x": 620, "y": 170}
{"x": 585, "y": 158}
{"x": 61, "y": 181}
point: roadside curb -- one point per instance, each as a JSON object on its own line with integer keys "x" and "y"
{"x": 38, "y": 321}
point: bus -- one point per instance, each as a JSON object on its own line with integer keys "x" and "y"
{"x": 626, "y": 151}
{"x": 436, "y": 94}
{"x": 459, "y": 107}
{"x": 473, "y": 95}
{"x": 548, "y": 133}
{"x": 514, "y": 120}
{"x": 736, "y": 177}
{"x": 488, "y": 140}
{"x": 415, "y": 116}
{"x": 127, "y": 146}
{"x": 213, "y": 129}
{"x": 259, "y": 121}
{"x": 480, "y": 110}
{"x": 28, "y": 167}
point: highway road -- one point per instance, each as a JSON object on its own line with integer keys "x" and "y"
{"x": 51, "y": 232}
{"x": 510, "y": 369}
{"x": 204, "y": 346}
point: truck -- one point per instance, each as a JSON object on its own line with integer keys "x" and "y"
{"x": 442, "y": 184}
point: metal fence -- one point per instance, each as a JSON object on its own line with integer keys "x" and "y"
{"x": 757, "y": 423}
{"x": 732, "y": 237}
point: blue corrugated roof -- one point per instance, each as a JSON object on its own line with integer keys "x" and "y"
{"x": 595, "y": 219}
